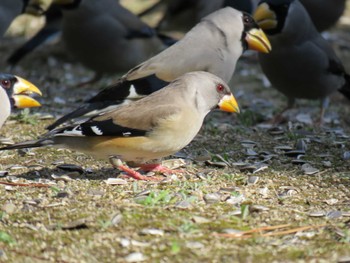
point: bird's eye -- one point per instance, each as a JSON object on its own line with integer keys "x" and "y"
{"x": 220, "y": 88}
{"x": 5, "y": 83}
{"x": 247, "y": 19}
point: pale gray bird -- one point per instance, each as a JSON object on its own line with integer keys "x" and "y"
{"x": 301, "y": 64}
{"x": 182, "y": 15}
{"x": 106, "y": 37}
{"x": 214, "y": 45}
{"x": 151, "y": 128}
{"x": 14, "y": 93}
{"x": 324, "y": 13}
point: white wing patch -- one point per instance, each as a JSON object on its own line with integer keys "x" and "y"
{"x": 133, "y": 94}
{"x": 76, "y": 131}
{"x": 96, "y": 130}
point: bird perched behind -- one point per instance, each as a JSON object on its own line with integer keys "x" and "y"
{"x": 184, "y": 14}
{"x": 51, "y": 29}
{"x": 302, "y": 64}
{"x": 153, "y": 127}
{"x": 13, "y": 94}
{"x": 106, "y": 37}
{"x": 214, "y": 45}
{"x": 324, "y": 13}
{"x": 10, "y": 9}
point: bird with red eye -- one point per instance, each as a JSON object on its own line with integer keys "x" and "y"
{"x": 14, "y": 93}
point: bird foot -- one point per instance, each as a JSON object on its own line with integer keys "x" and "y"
{"x": 136, "y": 175}
{"x": 157, "y": 168}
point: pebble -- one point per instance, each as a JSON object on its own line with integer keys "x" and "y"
{"x": 116, "y": 181}
{"x": 194, "y": 245}
{"x": 308, "y": 169}
{"x": 212, "y": 198}
{"x": 334, "y": 214}
{"x": 135, "y": 257}
{"x": 152, "y": 232}
{"x": 317, "y": 214}
{"x": 3, "y": 173}
{"x": 116, "y": 219}
{"x": 253, "y": 180}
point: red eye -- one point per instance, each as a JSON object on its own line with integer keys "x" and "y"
{"x": 220, "y": 88}
{"x": 5, "y": 83}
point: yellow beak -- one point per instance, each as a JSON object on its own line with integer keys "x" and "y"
{"x": 265, "y": 17}
{"x": 257, "y": 40}
{"x": 228, "y": 103}
{"x": 20, "y": 91}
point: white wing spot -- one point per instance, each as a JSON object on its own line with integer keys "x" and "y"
{"x": 76, "y": 131}
{"x": 126, "y": 134}
{"x": 96, "y": 130}
{"x": 133, "y": 94}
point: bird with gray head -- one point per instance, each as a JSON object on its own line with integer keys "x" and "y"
{"x": 302, "y": 64}
{"x": 14, "y": 93}
{"x": 106, "y": 37}
{"x": 214, "y": 45}
{"x": 151, "y": 128}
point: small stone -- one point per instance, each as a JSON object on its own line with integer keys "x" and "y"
{"x": 3, "y": 173}
{"x": 327, "y": 164}
{"x": 152, "y": 232}
{"x": 331, "y": 201}
{"x": 235, "y": 200}
{"x": 253, "y": 179}
{"x": 135, "y": 257}
{"x": 346, "y": 155}
{"x": 63, "y": 178}
{"x": 258, "y": 208}
{"x": 62, "y": 194}
{"x": 200, "y": 220}
{"x": 116, "y": 219}
{"x": 308, "y": 169}
{"x": 184, "y": 204}
{"x": 116, "y": 181}
{"x": 334, "y": 214}
{"x": 301, "y": 145}
{"x": 317, "y": 214}
{"x": 9, "y": 208}
{"x": 194, "y": 245}
{"x": 212, "y": 198}
{"x": 345, "y": 259}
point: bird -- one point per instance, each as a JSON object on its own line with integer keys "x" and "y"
{"x": 324, "y": 13}
{"x": 51, "y": 30}
{"x": 10, "y": 9}
{"x": 302, "y": 64}
{"x": 14, "y": 93}
{"x": 182, "y": 15}
{"x": 106, "y": 37}
{"x": 213, "y": 45}
{"x": 150, "y": 128}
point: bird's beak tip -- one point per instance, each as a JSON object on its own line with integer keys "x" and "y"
{"x": 21, "y": 90}
{"x": 257, "y": 40}
{"x": 229, "y": 103}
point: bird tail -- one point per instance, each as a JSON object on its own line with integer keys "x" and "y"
{"x": 28, "y": 144}
{"x": 345, "y": 89}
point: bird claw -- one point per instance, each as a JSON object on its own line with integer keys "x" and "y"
{"x": 136, "y": 175}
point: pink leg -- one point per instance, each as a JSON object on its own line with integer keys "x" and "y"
{"x": 156, "y": 167}
{"x": 136, "y": 175}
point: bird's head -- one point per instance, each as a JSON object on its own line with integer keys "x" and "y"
{"x": 18, "y": 90}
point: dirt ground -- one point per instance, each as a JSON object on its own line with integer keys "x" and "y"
{"x": 248, "y": 192}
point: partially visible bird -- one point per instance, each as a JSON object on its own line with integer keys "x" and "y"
{"x": 324, "y": 13}
{"x": 51, "y": 29}
{"x": 182, "y": 15}
{"x": 214, "y": 45}
{"x": 301, "y": 64}
{"x": 106, "y": 37}
{"x": 10, "y": 9}
{"x": 14, "y": 93}
{"x": 151, "y": 128}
